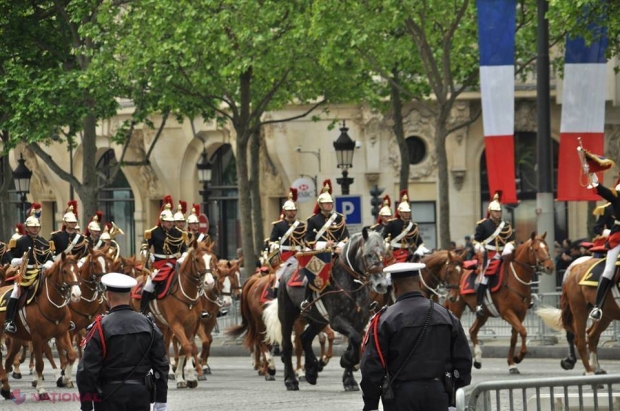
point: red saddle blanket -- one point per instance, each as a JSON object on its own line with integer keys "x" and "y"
{"x": 468, "y": 281}
{"x": 297, "y": 279}
{"x": 162, "y": 288}
{"x": 267, "y": 294}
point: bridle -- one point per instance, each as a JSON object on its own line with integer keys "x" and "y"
{"x": 196, "y": 280}
{"x": 536, "y": 268}
{"x": 367, "y": 269}
{"x": 94, "y": 284}
{"x": 443, "y": 283}
{"x": 62, "y": 289}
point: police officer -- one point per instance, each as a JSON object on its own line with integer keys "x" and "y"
{"x": 385, "y": 215}
{"x": 324, "y": 229}
{"x": 402, "y": 233}
{"x": 40, "y": 255}
{"x": 169, "y": 246}
{"x": 120, "y": 349}
{"x": 287, "y": 235}
{"x": 494, "y": 238}
{"x": 442, "y": 348}
{"x": 193, "y": 227}
{"x": 67, "y": 239}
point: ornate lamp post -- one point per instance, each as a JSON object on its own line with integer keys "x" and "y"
{"x": 21, "y": 177}
{"x": 344, "y": 147}
{"x": 204, "y": 167}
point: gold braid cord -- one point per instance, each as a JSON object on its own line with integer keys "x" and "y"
{"x": 171, "y": 243}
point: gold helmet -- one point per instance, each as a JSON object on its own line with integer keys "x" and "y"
{"x": 32, "y": 221}
{"x": 289, "y": 204}
{"x": 70, "y": 213}
{"x": 326, "y": 193}
{"x": 94, "y": 224}
{"x": 166, "y": 211}
{"x": 386, "y": 210}
{"x": 404, "y": 206}
{"x": 193, "y": 217}
{"x": 181, "y": 210}
{"x": 495, "y": 204}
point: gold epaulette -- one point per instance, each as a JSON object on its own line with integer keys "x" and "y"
{"x": 185, "y": 236}
{"x": 52, "y": 246}
{"x": 275, "y": 222}
{"x": 54, "y": 232}
{"x": 482, "y": 221}
{"x": 12, "y": 243}
{"x": 393, "y": 219}
{"x": 600, "y": 210}
{"x": 148, "y": 233}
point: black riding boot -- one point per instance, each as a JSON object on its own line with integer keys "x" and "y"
{"x": 145, "y": 300}
{"x": 482, "y": 289}
{"x": 307, "y": 298}
{"x": 601, "y": 292}
{"x": 9, "y": 321}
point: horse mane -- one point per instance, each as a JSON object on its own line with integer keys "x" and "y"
{"x": 68, "y": 258}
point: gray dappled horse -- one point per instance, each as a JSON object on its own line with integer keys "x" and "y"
{"x": 357, "y": 270}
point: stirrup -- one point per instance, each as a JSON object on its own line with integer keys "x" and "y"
{"x": 480, "y": 311}
{"x": 596, "y": 314}
{"x": 205, "y": 314}
{"x": 10, "y": 327}
{"x": 222, "y": 312}
{"x": 71, "y": 326}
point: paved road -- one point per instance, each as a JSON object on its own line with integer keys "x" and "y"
{"x": 234, "y": 385}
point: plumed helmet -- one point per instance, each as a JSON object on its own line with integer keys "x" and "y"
{"x": 495, "y": 204}
{"x": 403, "y": 205}
{"x": 105, "y": 236}
{"x": 326, "y": 193}
{"x": 290, "y": 203}
{"x": 35, "y": 210}
{"x": 181, "y": 210}
{"x": 165, "y": 213}
{"x": 94, "y": 224}
{"x": 32, "y": 221}
{"x": 386, "y": 209}
{"x": 19, "y": 232}
{"x": 71, "y": 212}
{"x": 193, "y": 217}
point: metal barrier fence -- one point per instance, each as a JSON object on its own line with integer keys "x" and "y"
{"x": 232, "y": 318}
{"x": 542, "y": 394}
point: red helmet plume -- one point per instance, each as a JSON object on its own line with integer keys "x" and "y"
{"x": 35, "y": 210}
{"x": 183, "y": 205}
{"x": 95, "y": 223}
{"x": 19, "y": 229}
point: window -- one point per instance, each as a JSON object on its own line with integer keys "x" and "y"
{"x": 223, "y": 210}
{"x": 423, "y": 213}
{"x": 417, "y": 149}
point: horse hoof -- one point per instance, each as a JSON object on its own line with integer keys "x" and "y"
{"x": 5, "y": 393}
{"x": 477, "y": 365}
{"x": 514, "y": 371}
{"x": 321, "y": 365}
{"x": 44, "y": 397}
{"x": 600, "y": 371}
{"x": 59, "y": 383}
{"x": 351, "y": 387}
{"x": 292, "y": 386}
{"x": 202, "y": 378}
{"x": 302, "y": 378}
{"x": 171, "y": 376}
{"x": 30, "y": 373}
{"x": 182, "y": 384}
{"x": 34, "y": 384}
{"x": 518, "y": 360}
{"x": 207, "y": 370}
{"x": 192, "y": 384}
{"x": 17, "y": 375}
{"x": 69, "y": 384}
{"x": 567, "y": 364}
{"x": 270, "y": 378}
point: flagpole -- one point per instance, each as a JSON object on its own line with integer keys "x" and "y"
{"x": 544, "y": 198}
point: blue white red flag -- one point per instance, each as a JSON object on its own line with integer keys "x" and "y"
{"x": 496, "y": 39}
{"x": 583, "y": 111}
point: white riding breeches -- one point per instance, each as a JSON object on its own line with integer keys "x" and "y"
{"x": 150, "y": 285}
{"x": 16, "y": 293}
{"x": 610, "y": 263}
{"x": 484, "y": 280}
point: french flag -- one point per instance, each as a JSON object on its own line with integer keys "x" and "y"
{"x": 583, "y": 112}
{"x": 496, "y": 38}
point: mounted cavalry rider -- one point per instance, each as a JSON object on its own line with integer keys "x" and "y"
{"x": 287, "y": 235}
{"x": 179, "y": 216}
{"x": 40, "y": 255}
{"x": 110, "y": 232}
{"x": 5, "y": 249}
{"x": 169, "y": 246}
{"x": 385, "y": 215}
{"x": 402, "y": 233}
{"x": 93, "y": 233}
{"x": 325, "y": 229}
{"x": 495, "y": 238}
{"x": 193, "y": 227}
{"x": 67, "y": 239}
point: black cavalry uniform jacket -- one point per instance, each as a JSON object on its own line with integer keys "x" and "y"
{"x": 604, "y": 220}
{"x": 166, "y": 244}
{"x": 442, "y": 348}
{"x": 378, "y": 228}
{"x": 127, "y": 336}
{"x": 395, "y": 227}
{"x": 5, "y": 255}
{"x": 485, "y": 229}
{"x": 296, "y": 238}
{"x": 62, "y": 239}
{"x": 336, "y": 232}
{"x": 42, "y": 251}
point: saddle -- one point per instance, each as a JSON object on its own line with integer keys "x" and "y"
{"x": 24, "y": 299}
{"x": 298, "y": 279}
{"x": 592, "y": 276}
{"x": 468, "y": 280}
{"x": 162, "y": 288}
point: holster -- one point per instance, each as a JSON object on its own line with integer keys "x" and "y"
{"x": 151, "y": 386}
{"x": 387, "y": 393}
{"x": 448, "y": 383}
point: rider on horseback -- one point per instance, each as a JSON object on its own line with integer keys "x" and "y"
{"x": 40, "y": 257}
{"x": 613, "y": 242}
{"x": 325, "y": 229}
{"x": 402, "y": 233}
{"x": 93, "y": 233}
{"x": 287, "y": 236}
{"x": 179, "y": 216}
{"x": 68, "y": 239}
{"x": 495, "y": 238}
{"x": 385, "y": 214}
{"x": 193, "y": 227}
{"x": 169, "y": 249}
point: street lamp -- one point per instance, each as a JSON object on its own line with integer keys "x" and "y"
{"x": 22, "y": 176}
{"x": 344, "y": 147}
{"x": 204, "y": 167}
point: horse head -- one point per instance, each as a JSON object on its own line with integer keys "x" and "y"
{"x": 538, "y": 254}
{"x": 201, "y": 263}
{"x": 229, "y": 280}
{"x": 442, "y": 274}
{"x": 96, "y": 264}
{"x": 63, "y": 275}
{"x": 367, "y": 250}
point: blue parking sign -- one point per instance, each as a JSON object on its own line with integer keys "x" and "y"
{"x": 351, "y": 208}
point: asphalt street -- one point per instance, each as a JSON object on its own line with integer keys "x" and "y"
{"x": 234, "y": 385}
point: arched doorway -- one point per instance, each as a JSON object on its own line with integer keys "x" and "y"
{"x": 522, "y": 216}
{"x": 224, "y": 203}
{"x": 116, "y": 201}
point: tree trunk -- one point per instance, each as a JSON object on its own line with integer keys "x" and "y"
{"x": 89, "y": 189}
{"x": 397, "y": 109}
{"x": 6, "y": 225}
{"x": 441, "y": 134}
{"x": 257, "y": 213}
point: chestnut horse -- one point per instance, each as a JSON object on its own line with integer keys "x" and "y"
{"x": 442, "y": 275}
{"x": 575, "y": 305}
{"x": 178, "y": 313}
{"x": 513, "y": 298}
{"x": 129, "y": 266}
{"x": 47, "y": 317}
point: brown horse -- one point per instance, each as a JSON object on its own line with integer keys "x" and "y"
{"x": 47, "y": 317}
{"x": 441, "y": 277}
{"x": 129, "y": 266}
{"x": 511, "y": 301}
{"x": 178, "y": 313}
{"x": 575, "y": 305}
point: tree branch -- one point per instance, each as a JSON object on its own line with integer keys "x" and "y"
{"x": 465, "y": 123}
{"x": 298, "y": 116}
{"x": 426, "y": 55}
{"x": 117, "y": 167}
{"x": 262, "y": 105}
{"x": 47, "y": 159}
{"x": 447, "y": 42}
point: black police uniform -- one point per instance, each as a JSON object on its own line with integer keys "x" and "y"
{"x": 443, "y": 348}
{"x": 336, "y": 232}
{"x": 62, "y": 239}
{"x": 200, "y": 237}
{"x": 166, "y": 244}
{"x": 486, "y": 228}
{"x": 127, "y": 336}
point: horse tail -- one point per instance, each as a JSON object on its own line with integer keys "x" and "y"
{"x": 567, "y": 314}
{"x": 551, "y": 316}
{"x": 272, "y": 323}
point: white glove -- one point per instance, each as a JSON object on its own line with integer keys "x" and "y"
{"x": 273, "y": 247}
{"x": 152, "y": 258}
{"x": 160, "y": 406}
{"x": 606, "y": 232}
{"x": 182, "y": 258}
{"x": 16, "y": 262}
{"x": 508, "y": 249}
{"x": 319, "y": 245}
{"x": 340, "y": 244}
{"x": 421, "y": 250}
{"x": 593, "y": 180}
{"x": 479, "y": 248}
{"x": 48, "y": 264}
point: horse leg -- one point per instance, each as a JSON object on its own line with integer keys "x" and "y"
{"x": 184, "y": 366}
{"x": 568, "y": 363}
{"x": 197, "y": 365}
{"x": 593, "y": 336}
{"x": 311, "y": 364}
{"x": 50, "y": 357}
{"x": 64, "y": 342}
{"x": 579, "y": 325}
{"x": 351, "y": 357}
{"x": 299, "y": 350}
{"x": 17, "y": 374}
{"x": 270, "y": 366}
{"x": 327, "y": 355}
{"x": 206, "y": 338}
{"x": 473, "y": 334}
{"x": 37, "y": 344}
{"x": 287, "y": 313}
{"x": 517, "y": 328}
{"x": 12, "y": 350}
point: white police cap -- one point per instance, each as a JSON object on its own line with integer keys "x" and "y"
{"x": 118, "y": 283}
{"x": 403, "y": 270}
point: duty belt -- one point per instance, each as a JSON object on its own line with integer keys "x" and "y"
{"x": 166, "y": 257}
{"x": 132, "y": 382}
